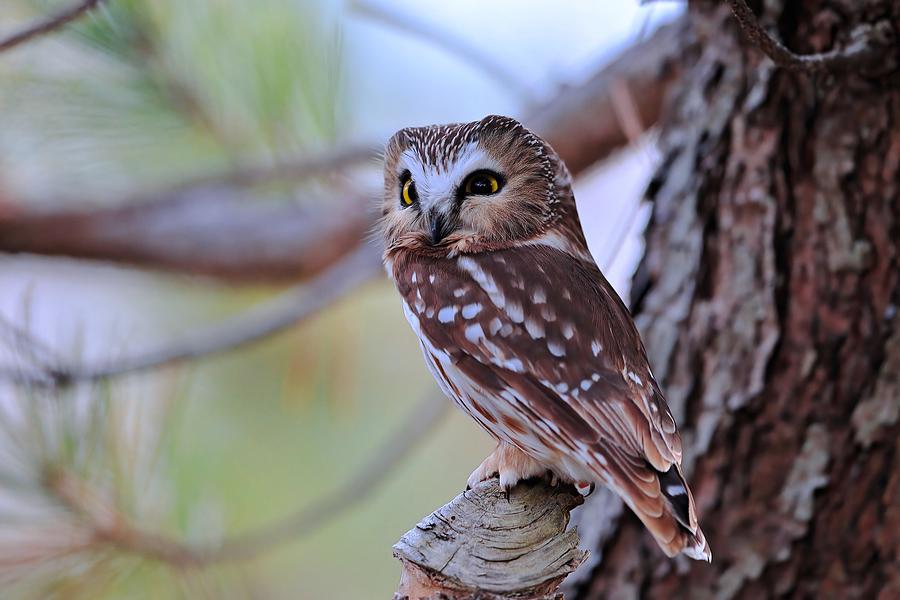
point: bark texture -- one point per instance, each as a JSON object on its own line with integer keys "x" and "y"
{"x": 768, "y": 300}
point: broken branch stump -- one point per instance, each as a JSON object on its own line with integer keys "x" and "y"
{"x": 485, "y": 546}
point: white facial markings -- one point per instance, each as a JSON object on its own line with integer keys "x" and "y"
{"x": 447, "y": 314}
{"x": 470, "y": 310}
{"x": 436, "y": 184}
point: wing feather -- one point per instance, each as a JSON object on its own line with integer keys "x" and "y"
{"x": 564, "y": 342}
{"x": 536, "y": 345}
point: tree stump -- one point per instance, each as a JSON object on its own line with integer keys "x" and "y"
{"x": 484, "y": 545}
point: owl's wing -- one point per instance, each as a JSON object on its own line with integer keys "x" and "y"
{"x": 544, "y": 335}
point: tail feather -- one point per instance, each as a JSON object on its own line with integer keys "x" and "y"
{"x": 662, "y": 500}
{"x": 684, "y": 535}
{"x": 675, "y": 490}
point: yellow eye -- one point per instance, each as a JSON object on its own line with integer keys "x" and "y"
{"x": 482, "y": 183}
{"x": 409, "y": 194}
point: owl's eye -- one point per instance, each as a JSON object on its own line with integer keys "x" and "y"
{"x": 482, "y": 183}
{"x": 408, "y": 193}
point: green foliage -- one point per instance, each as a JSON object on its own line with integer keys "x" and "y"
{"x": 150, "y": 92}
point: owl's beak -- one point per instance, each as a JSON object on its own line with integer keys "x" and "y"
{"x": 439, "y": 226}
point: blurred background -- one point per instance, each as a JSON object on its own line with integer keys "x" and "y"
{"x": 321, "y": 441}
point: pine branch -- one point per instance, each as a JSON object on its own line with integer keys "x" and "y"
{"x": 289, "y": 308}
{"x": 48, "y": 24}
{"x": 109, "y": 527}
{"x": 237, "y": 240}
{"x": 209, "y": 226}
{"x": 246, "y": 241}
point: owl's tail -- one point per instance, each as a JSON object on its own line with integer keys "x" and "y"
{"x": 663, "y": 501}
{"x": 676, "y": 529}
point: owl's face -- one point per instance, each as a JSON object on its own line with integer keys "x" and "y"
{"x": 483, "y": 185}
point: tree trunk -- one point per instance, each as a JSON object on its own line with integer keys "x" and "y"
{"x": 768, "y": 300}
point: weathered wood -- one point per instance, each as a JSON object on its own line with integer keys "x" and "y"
{"x": 487, "y": 546}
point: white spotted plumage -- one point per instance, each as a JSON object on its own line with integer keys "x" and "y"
{"x": 519, "y": 327}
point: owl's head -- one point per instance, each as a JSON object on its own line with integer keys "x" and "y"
{"x": 471, "y": 187}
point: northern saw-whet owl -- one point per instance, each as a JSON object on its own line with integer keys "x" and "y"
{"x": 518, "y": 325}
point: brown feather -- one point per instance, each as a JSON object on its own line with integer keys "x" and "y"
{"x": 521, "y": 329}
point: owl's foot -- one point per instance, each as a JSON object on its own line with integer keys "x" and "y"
{"x": 510, "y": 463}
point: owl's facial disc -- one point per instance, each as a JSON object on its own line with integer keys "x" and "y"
{"x": 470, "y": 187}
{"x": 438, "y": 192}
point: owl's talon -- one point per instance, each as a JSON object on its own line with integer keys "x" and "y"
{"x": 510, "y": 463}
{"x": 486, "y": 470}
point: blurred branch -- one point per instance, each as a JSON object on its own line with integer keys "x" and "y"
{"x": 111, "y": 527}
{"x": 420, "y": 423}
{"x": 204, "y": 230}
{"x": 335, "y": 159}
{"x": 48, "y": 24}
{"x": 287, "y": 309}
{"x": 869, "y": 43}
{"x": 108, "y": 526}
{"x": 402, "y": 20}
{"x": 487, "y": 544}
{"x": 208, "y": 228}
{"x": 582, "y": 123}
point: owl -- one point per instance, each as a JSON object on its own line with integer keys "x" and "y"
{"x": 520, "y": 328}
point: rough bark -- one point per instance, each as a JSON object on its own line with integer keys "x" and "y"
{"x": 768, "y": 300}
{"x": 489, "y": 546}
